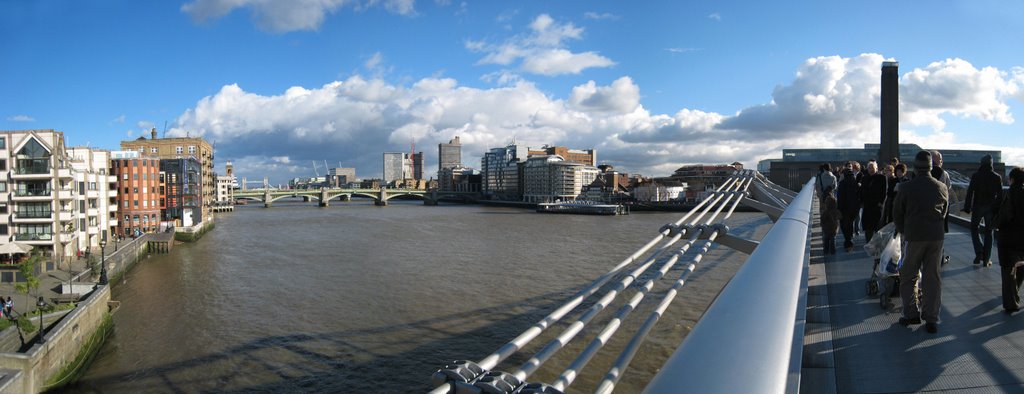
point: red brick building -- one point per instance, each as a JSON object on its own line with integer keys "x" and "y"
{"x": 140, "y": 189}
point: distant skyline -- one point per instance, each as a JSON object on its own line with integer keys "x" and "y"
{"x": 278, "y": 84}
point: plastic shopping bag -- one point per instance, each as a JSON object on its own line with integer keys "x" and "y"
{"x": 891, "y": 258}
{"x": 880, "y": 240}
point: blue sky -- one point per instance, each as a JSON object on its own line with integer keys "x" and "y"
{"x": 652, "y": 85}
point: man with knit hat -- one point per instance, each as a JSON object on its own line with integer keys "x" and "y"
{"x": 983, "y": 196}
{"x": 919, "y": 213}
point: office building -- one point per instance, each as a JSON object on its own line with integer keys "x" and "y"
{"x": 586, "y": 157}
{"x": 500, "y": 172}
{"x": 449, "y": 155}
{"x": 340, "y": 176}
{"x": 394, "y": 167}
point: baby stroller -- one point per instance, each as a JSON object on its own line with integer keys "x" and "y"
{"x": 885, "y": 247}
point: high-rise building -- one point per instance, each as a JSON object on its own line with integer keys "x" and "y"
{"x": 416, "y": 160}
{"x": 139, "y": 187}
{"x": 449, "y": 155}
{"x": 178, "y": 148}
{"x": 394, "y": 167}
{"x": 890, "y": 113}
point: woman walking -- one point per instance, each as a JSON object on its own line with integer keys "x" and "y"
{"x": 1010, "y": 240}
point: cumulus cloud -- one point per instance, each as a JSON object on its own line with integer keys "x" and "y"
{"x": 715, "y": 17}
{"x": 118, "y": 120}
{"x": 21, "y": 118}
{"x": 831, "y": 102}
{"x": 599, "y": 16}
{"x": 542, "y": 50}
{"x": 288, "y": 15}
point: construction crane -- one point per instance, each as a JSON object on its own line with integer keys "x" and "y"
{"x": 317, "y": 173}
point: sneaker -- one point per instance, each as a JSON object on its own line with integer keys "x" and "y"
{"x": 988, "y": 263}
{"x": 906, "y": 322}
{"x": 931, "y": 327}
{"x": 945, "y": 260}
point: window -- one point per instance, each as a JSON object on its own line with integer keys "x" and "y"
{"x": 135, "y": 176}
{"x": 126, "y": 203}
{"x": 145, "y": 203}
{"x": 125, "y": 176}
{"x": 92, "y": 185}
{"x": 3, "y": 227}
{"x": 92, "y": 203}
{"x": 178, "y": 150}
{"x": 3, "y": 207}
{"x": 143, "y": 190}
{"x": 127, "y": 218}
{"x": 153, "y": 150}
{"x": 3, "y": 144}
{"x": 3, "y": 185}
{"x": 143, "y": 176}
{"x": 3, "y": 163}
{"x": 126, "y": 190}
{"x": 192, "y": 150}
{"x": 135, "y": 190}
{"x": 135, "y": 203}
{"x": 135, "y": 218}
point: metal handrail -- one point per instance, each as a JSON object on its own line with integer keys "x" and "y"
{"x": 750, "y": 326}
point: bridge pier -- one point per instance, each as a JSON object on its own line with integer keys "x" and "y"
{"x": 431, "y": 200}
{"x": 307, "y": 198}
{"x": 380, "y": 203}
{"x": 267, "y": 201}
{"x": 323, "y": 198}
{"x": 267, "y": 204}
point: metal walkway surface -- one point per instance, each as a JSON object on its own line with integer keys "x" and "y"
{"x": 978, "y": 347}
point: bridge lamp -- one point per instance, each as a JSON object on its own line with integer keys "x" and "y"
{"x": 40, "y": 303}
{"x": 103, "y": 262}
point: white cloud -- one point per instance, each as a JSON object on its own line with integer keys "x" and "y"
{"x": 681, "y": 50}
{"x": 118, "y": 120}
{"x": 831, "y": 102}
{"x": 288, "y": 15}
{"x": 715, "y": 16}
{"x": 600, "y": 16}
{"x": 542, "y": 50}
{"x": 21, "y": 118}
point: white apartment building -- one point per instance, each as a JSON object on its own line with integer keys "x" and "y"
{"x": 550, "y": 178}
{"x": 36, "y": 194}
{"x": 95, "y": 199}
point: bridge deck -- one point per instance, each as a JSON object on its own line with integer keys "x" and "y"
{"x": 978, "y": 347}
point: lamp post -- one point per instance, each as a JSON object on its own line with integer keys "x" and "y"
{"x": 41, "y": 304}
{"x": 103, "y": 262}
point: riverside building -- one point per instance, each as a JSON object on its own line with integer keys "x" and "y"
{"x": 500, "y": 171}
{"x": 178, "y": 148}
{"x": 140, "y": 189}
{"x": 550, "y": 178}
{"x": 36, "y": 196}
{"x": 183, "y": 199}
{"x": 449, "y": 155}
{"x": 95, "y": 198}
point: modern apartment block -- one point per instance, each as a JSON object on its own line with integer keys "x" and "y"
{"x": 183, "y": 199}
{"x": 179, "y": 148}
{"x": 140, "y": 187}
{"x": 95, "y": 197}
{"x": 394, "y": 166}
{"x": 37, "y": 197}
{"x": 550, "y": 178}
{"x": 416, "y": 161}
{"x": 449, "y": 155}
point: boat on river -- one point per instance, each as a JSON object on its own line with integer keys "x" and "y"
{"x": 582, "y": 208}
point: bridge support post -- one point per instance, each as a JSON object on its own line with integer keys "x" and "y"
{"x": 323, "y": 197}
{"x": 382, "y": 199}
{"x": 430, "y": 200}
{"x": 266, "y": 199}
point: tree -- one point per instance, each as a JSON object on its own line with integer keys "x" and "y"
{"x": 28, "y": 272}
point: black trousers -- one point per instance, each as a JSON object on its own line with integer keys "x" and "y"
{"x": 1011, "y": 278}
{"x": 981, "y": 237}
{"x": 869, "y": 221}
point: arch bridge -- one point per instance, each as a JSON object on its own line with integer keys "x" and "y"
{"x": 325, "y": 195}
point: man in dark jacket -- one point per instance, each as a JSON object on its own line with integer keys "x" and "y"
{"x": 983, "y": 196}
{"x": 1010, "y": 240}
{"x": 919, "y": 213}
{"x": 872, "y": 195}
{"x": 942, "y": 176}
{"x": 848, "y": 195}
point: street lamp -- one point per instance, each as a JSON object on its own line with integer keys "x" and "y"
{"x": 41, "y": 304}
{"x": 103, "y": 262}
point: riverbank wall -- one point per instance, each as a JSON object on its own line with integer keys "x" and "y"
{"x": 194, "y": 233}
{"x": 29, "y": 372}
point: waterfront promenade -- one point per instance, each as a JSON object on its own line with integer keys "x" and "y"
{"x": 854, "y": 346}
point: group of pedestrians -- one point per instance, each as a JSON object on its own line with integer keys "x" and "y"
{"x": 918, "y": 205}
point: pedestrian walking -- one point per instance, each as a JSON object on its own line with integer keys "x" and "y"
{"x": 983, "y": 196}
{"x": 9, "y": 307}
{"x": 872, "y": 191}
{"x": 825, "y": 179}
{"x": 829, "y": 220}
{"x": 1010, "y": 240}
{"x": 942, "y": 176}
{"x": 919, "y": 211}
{"x": 848, "y": 197}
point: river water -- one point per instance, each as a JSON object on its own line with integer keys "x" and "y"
{"x": 364, "y": 299}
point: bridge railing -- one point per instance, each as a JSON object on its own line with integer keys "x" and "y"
{"x": 745, "y": 340}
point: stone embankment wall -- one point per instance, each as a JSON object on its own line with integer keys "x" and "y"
{"x": 28, "y": 372}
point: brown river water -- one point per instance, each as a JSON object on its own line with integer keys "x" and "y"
{"x": 362, "y": 299}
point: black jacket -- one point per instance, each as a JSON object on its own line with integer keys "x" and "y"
{"x": 985, "y": 189}
{"x": 873, "y": 188}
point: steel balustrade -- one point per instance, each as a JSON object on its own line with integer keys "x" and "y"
{"x": 464, "y": 376}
